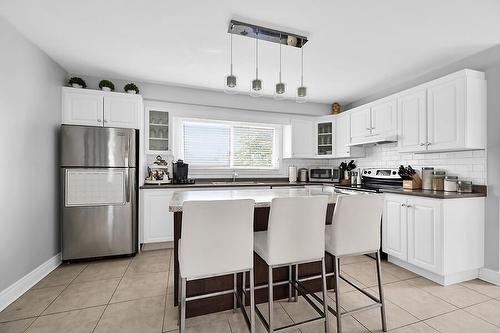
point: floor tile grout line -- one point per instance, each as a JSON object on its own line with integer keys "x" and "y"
{"x": 40, "y": 314}
{"x": 478, "y": 290}
{"x": 107, "y": 304}
{"x": 474, "y": 315}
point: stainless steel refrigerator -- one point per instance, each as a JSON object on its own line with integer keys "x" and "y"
{"x": 99, "y": 191}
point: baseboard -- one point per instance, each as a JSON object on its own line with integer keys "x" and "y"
{"x": 444, "y": 280}
{"x": 490, "y": 276}
{"x": 15, "y": 290}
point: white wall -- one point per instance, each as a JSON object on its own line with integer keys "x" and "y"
{"x": 30, "y": 113}
{"x": 489, "y": 62}
{"x": 204, "y": 104}
{"x": 164, "y": 93}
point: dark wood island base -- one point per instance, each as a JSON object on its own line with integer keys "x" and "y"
{"x": 225, "y": 302}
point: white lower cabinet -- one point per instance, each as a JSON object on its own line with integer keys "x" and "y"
{"x": 440, "y": 239}
{"x": 424, "y": 229}
{"x": 156, "y": 220}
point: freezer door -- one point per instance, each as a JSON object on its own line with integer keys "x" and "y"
{"x": 86, "y": 146}
{"x": 99, "y": 212}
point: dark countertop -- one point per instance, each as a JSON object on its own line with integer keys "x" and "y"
{"x": 478, "y": 191}
{"x": 203, "y": 183}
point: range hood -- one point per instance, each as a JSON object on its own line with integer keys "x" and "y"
{"x": 378, "y": 139}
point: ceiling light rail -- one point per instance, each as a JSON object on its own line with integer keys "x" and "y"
{"x": 267, "y": 34}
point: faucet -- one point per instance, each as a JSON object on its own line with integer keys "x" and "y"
{"x": 235, "y": 174}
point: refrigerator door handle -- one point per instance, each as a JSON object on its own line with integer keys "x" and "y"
{"x": 127, "y": 185}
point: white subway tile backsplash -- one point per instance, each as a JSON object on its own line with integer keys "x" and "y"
{"x": 467, "y": 165}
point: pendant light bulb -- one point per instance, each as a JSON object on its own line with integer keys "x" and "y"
{"x": 280, "y": 88}
{"x": 231, "y": 82}
{"x": 302, "y": 90}
{"x": 257, "y": 86}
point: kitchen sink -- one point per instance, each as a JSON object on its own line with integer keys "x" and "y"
{"x": 238, "y": 183}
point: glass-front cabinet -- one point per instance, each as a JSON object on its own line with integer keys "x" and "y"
{"x": 157, "y": 141}
{"x": 324, "y": 138}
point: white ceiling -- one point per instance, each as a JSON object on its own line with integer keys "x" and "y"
{"x": 355, "y": 47}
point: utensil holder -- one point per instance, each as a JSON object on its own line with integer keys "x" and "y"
{"x": 413, "y": 184}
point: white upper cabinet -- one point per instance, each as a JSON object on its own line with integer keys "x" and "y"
{"x": 100, "y": 108}
{"x": 374, "y": 122}
{"x": 447, "y": 114}
{"x": 82, "y": 107}
{"x": 383, "y": 118}
{"x": 325, "y": 137}
{"x": 122, "y": 110}
{"x": 412, "y": 117}
{"x": 343, "y": 138}
{"x": 298, "y": 138}
{"x": 360, "y": 124}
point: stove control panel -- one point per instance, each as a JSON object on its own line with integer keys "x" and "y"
{"x": 377, "y": 173}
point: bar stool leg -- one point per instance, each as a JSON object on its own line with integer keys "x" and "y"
{"x": 295, "y": 293}
{"x": 244, "y": 285}
{"x": 270, "y": 303}
{"x": 183, "y": 306}
{"x": 290, "y": 283}
{"x": 381, "y": 293}
{"x": 325, "y": 299}
{"x": 336, "y": 271}
{"x": 235, "y": 290}
{"x": 252, "y": 302}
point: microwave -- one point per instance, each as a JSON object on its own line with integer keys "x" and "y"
{"x": 324, "y": 175}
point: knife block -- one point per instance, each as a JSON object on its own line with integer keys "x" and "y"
{"x": 413, "y": 184}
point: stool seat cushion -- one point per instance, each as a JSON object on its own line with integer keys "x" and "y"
{"x": 260, "y": 244}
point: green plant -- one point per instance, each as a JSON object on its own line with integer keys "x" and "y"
{"x": 77, "y": 80}
{"x": 107, "y": 83}
{"x": 131, "y": 86}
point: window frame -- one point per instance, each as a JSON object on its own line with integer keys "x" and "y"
{"x": 178, "y": 144}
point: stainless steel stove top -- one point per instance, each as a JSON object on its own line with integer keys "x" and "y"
{"x": 374, "y": 180}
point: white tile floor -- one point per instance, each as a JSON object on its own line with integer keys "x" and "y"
{"x": 135, "y": 295}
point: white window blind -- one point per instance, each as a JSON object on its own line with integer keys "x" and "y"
{"x": 207, "y": 144}
{"x": 253, "y": 147}
{"x": 229, "y": 145}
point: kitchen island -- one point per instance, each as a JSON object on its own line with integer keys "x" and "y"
{"x": 263, "y": 198}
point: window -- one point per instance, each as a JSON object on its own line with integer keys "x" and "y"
{"x": 218, "y": 144}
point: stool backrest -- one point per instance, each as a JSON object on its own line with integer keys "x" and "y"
{"x": 356, "y": 224}
{"x": 296, "y": 229}
{"x": 216, "y": 237}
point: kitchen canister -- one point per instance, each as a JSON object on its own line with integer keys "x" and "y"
{"x": 427, "y": 174}
{"x": 464, "y": 186}
{"x": 292, "y": 174}
{"x": 438, "y": 180}
{"x": 450, "y": 183}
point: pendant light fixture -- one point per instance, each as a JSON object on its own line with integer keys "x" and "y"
{"x": 256, "y": 88}
{"x": 280, "y": 89}
{"x": 230, "y": 82}
{"x": 302, "y": 90}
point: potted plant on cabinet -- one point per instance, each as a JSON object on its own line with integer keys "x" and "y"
{"x": 106, "y": 85}
{"x": 77, "y": 82}
{"x": 131, "y": 88}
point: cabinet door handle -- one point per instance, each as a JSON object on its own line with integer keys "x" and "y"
{"x": 422, "y": 144}
{"x": 99, "y": 120}
{"x": 409, "y": 206}
{"x": 429, "y": 143}
{"x": 403, "y": 205}
{"x": 368, "y": 128}
{"x": 105, "y": 121}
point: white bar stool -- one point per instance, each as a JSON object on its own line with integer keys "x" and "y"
{"x": 216, "y": 239}
{"x": 355, "y": 230}
{"x": 295, "y": 235}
